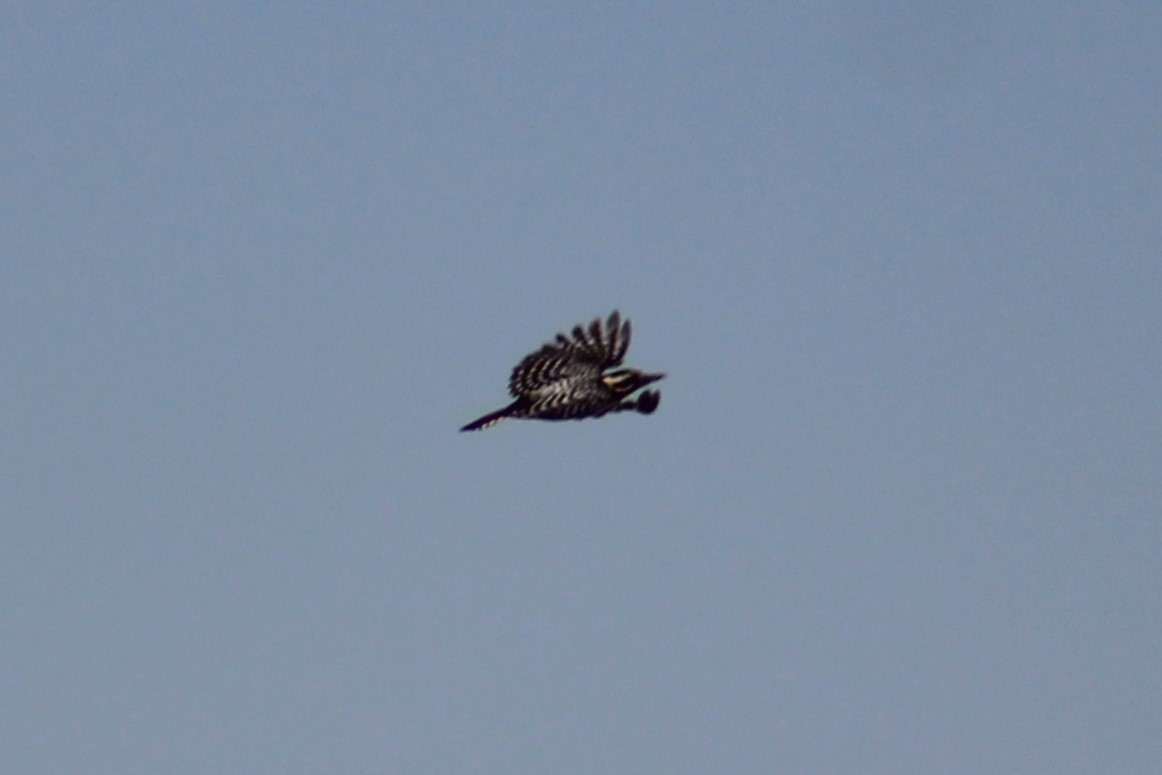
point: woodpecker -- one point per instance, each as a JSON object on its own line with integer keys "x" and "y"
{"x": 577, "y": 377}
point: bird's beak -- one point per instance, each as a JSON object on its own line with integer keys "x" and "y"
{"x": 648, "y": 378}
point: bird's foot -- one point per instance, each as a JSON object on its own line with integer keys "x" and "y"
{"x": 648, "y": 401}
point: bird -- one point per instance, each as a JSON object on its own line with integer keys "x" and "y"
{"x": 573, "y": 378}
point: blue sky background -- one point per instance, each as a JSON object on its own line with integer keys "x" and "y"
{"x": 899, "y": 510}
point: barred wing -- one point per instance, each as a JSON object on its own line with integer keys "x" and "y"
{"x": 606, "y": 345}
{"x": 580, "y": 359}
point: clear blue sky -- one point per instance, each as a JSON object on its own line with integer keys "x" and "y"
{"x": 900, "y": 510}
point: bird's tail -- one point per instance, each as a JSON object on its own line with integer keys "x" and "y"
{"x": 488, "y": 420}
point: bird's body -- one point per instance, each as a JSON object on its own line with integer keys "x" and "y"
{"x": 574, "y": 378}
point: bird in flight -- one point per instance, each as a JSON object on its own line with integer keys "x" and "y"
{"x": 574, "y": 378}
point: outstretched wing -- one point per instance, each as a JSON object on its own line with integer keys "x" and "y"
{"x": 583, "y": 357}
{"x": 605, "y": 344}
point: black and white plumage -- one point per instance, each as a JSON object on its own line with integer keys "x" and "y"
{"x": 576, "y": 377}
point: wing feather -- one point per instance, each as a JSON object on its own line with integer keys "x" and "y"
{"x": 617, "y": 340}
{"x": 585, "y": 356}
{"x": 596, "y": 335}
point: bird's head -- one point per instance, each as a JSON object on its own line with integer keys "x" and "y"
{"x": 625, "y": 381}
